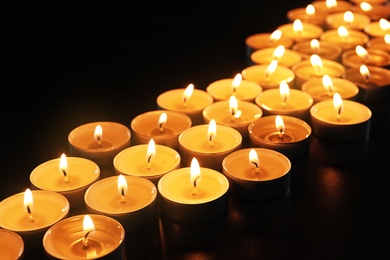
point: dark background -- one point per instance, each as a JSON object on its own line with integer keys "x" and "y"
{"x": 69, "y": 64}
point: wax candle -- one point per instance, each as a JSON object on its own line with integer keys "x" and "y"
{"x": 300, "y": 31}
{"x": 189, "y": 101}
{"x": 345, "y": 38}
{"x": 375, "y": 11}
{"x": 323, "y": 49}
{"x": 332, "y": 6}
{"x": 370, "y": 57}
{"x": 242, "y": 89}
{"x": 70, "y": 176}
{"x": 324, "y": 88}
{"x": 378, "y": 28}
{"x": 348, "y": 19}
{"x": 234, "y": 113}
{"x": 131, "y": 200}
{"x": 163, "y": 126}
{"x": 285, "y": 57}
{"x": 269, "y": 75}
{"x": 263, "y": 40}
{"x": 85, "y": 237}
{"x": 373, "y": 82}
{"x": 11, "y": 245}
{"x": 381, "y": 43}
{"x": 340, "y": 120}
{"x": 316, "y": 67}
{"x": 193, "y": 194}
{"x": 286, "y": 134}
{"x": 31, "y": 213}
{"x": 257, "y": 173}
{"x": 307, "y": 14}
{"x": 150, "y": 161}
{"x": 285, "y": 101}
{"x": 209, "y": 143}
{"x": 99, "y": 142}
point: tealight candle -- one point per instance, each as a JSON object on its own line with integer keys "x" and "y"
{"x": 150, "y": 161}
{"x": 286, "y": 134}
{"x": 285, "y": 101}
{"x": 332, "y": 6}
{"x": 242, "y": 89}
{"x": 99, "y": 142}
{"x": 129, "y": 199}
{"x": 378, "y": 28}
{"x": 324, "y": 88}
{"x": 340, "y": 120}
{"x": 316, "y": 67}
{"x": 209, "y": 143}
{"x": 300, "y": 31}
{"x": 345, "y": 38}
{"x": 163, "y": 126}
{"x": 257, "y": 173}
{"x": 373, "y": 82}
{"x": 194, "y": 194}
{"x": 285, "y": 57}
{"x": 381, "y": 43}
{"x": 348, "y": 19}
{"x": 375, "y": 11}
{"x": 263, "y": 40}
{"x": 31, "y": 213}
{"x": 308, "y": 14}
{"x": 369, "y": 57}
{"x": 85, "y": 237}
{"x": 234, "y": 113}
{"x": 11, "y": 245}
{"x": 189, "y": 101}
{"x": 323, "y": 49}
{"x": 269, "y": 75}
{"x": 70, "y": 176}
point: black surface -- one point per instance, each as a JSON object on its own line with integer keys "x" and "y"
{"x": 69, "y": 65}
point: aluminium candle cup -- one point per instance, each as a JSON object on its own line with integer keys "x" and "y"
{"x": 376, "y": 88}
{"x": 334, "y": 20}
{"x": 145, "y": 127}
{"x": 262, "y": 40}
{"x": 315, "y": 88}
{"x": 376, "y": 57}
{"x": 354, "y": 38}
{"x": 265, "y": 56}
{"x": 49, "y": 208}
{"x": 304, "y": 71}
{"x": 82, "y": 143}
{"x": 374, "y": 29}
{"x": 82, "y": 173}
{"x": 132, "y": 161}
{"x": 256, "y": 73}
{"x": 309, "y": 32}
{"x": 172, "y": 100}
{"x": 297, "y": 105}
{"x": 180, "y": 204}
{"x": 326, "y": 50}
{"x": 271, "y": 182}
{"x": 137, "y": 211}
{"x": 220, "y": 112}
{"x": 379, "y": 43}
{"x": 193, "y": 143}
{"x": 341, "y": 6}
{"x": 354, "y": 123}
{"x": 64, "y": 239}
{"x": 318, "y": 18}
{"x": 11, "y": 245}
{"x": 222, "y": 90}
{"x": 296, "y": 139}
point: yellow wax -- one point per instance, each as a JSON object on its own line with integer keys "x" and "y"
{"x": 380, "y": 77}
{"x": 222, "y": 90}
{"x": 334, "y": 20}
{"x": 379, "y": 43}
{"x": 265, "y": 56}
{"x": 373, "y": 29}
{"x": 326, "y": 50}
{"x": 309, "y": 32}
{"x": 354, "y": 39}
{"x": 376, "y": 57}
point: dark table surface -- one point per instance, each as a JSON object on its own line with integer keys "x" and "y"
{"x": 72, "y": 64}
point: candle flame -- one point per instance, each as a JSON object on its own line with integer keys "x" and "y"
{"x": 195, "y": 174}
{"x": 233, "y": 107}
{"x": 364, "y": 71}
{"x": 162, "y": 120}
{"x": 212, "y": 131}
{"x": 63, "y": 167}
{"x": 331, "y": 4}
{"x": 236, "y": 82}
{"x": 188, "y": 93}
{"x": 279, "y": 52}
{"x": 387, "y": 38}
{"x": 151, "y": 152}
{"x": 365, "y": 6}
{"x": 88, "y": 227}
{"x": 316, "y": 62}
{"x": 279, "y": 125}
{"x": 28, "y": 204}
{"x": 315, "y": 45}
{"x": 348, "y": 17}
{"x": 328, "y": 84}
{"x": 122, "y": 187}
{"x": 98, "y": 134}
{"x": 343, "y": 33}
{"x": 275, "y": 36}
{"x": 297, "y": 26}
{"x": 338, "y": 104}
{"x": 384, "y": 24}
{"x": 284, "y": 91}
{"x": 310, "y": 10}
{"x": 361, "y": 52}
{"x": 270, "y": 69}
{"x": 254, "y": 159}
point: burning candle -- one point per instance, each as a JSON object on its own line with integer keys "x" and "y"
{"x": 163, "y": 126}
{"x": 131, "y": 200}
{"x": 189, "y": 101}
{"x": 99, "y": 142}
{"x": 378, "y": 28}
{"x": 269, "y": 75}
{"x": 242, "y": 89}
{"x": 381, "y": 43}
{"x": 257, "y": 173}
{"x": 194, "y": 194}
{"x": 324, "y": 88}
{"x": 209, "y": 143}
{"x": 85, "y": 237}
{"x": 70, "y": 176}
{"x": 348, "y": 19}
{"x": 299, "y": 31}
{"x": 11, "y": 245}
{"x": 307, "y": 14}
{"x": 234, "y": 113}
{"x": 340, "y": 120}
{"x": 374, "y": 10}
{"x": 332, "y": 6}
{"x": 369, "y": 57}
{"x": 286, "y": 134}
{"x": 285, "y": 57}
{"x": 345, "y": 38}
{"x": 285, "y": 101}
{"x": 323, "y": 49}
{"x": 150, "y": 161}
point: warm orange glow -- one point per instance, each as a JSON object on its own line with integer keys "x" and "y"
{"x": 328, "y": 84}
{"x": 338, "y": 104}
{"x": 275, "y": 36}
{"x": 151, "y": 152}
{"x": 315, "y": 45}
{"x": 233, "y": 107}
{"x": 63, "y": 167}
{"x": 254, "y": 159}
{"x": 122, "y": 187}
{"x": 88, "y": 227}
{"x": 28, "y": 203}
{"x": 365, "y": 6}
{"x": 284, "y": 91}
{"x": 98, "y": 134}
{"x": 188, "y": 93}
{"x": 310, "y": 10}
{"x": 384, "y": 24}
{"x": 162, "y": 120}
{"x": 297, "y": 26}
{"x": 331, "y": 3}
{"x": 212, "y": 131}
{"x": 316, "y": 62}
{"x": 387, "y": 38}
{"x": 348, "y": 17}
{"x": 195, "y": 174}
{"x": 270, "y": 69}
{"x": 361, "y": 52}
{"x": 343, "y": 33}
{"x": 279, "y": 52}
{"x": 236, "y": 82}
{"x": 364, "y": 71}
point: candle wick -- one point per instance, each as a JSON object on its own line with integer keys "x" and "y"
{"x": 185, "y": 102}
{"x": 257, "y": 170}
{"x": 99, "y": 140}
{"x": 29, "y": 214}
{"x": 195, "y": 185}
{"x": 160, "y": 126}
{"x": 211, "y": 143}
{"x": 281, "y": 134}
{"x": 123, "y": 198}
{"x": 86, "y": 240}
{"x": 149, "y": 161}
{"x": 66, "y": 177}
